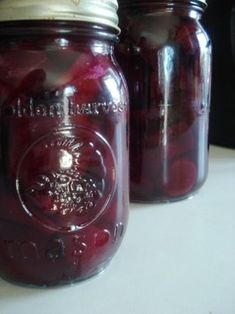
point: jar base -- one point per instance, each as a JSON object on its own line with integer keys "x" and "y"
{"x": 95, "y": 273}
{"x": 163, "y": 201}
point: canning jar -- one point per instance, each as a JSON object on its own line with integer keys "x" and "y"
{"x": 166, "y": 58}
{"x": 63, "y": 140}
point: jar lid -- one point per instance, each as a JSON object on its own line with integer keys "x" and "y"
{"x": 198, "y": 3}
{"x": 93, "y": 11}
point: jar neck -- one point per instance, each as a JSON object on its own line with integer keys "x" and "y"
{"x": 79, "y": 31}
{"x": 192, "y": 9}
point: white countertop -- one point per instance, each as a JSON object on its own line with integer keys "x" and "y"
{"x": 176, "y": 258}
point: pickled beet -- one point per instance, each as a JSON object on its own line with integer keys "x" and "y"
{"x": 181, "y": 178}
{"x": 32, "y": 84}
{"x": 15, "y": 65}
{"x": 186, "y": 36}
{"x": 165, "y": 57}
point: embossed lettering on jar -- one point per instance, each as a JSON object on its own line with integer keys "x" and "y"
{"x": 63, "y": 157}
{"x": 166, "y": 58}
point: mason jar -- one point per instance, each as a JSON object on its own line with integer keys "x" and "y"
{"x": 63, "y": 140}
{"x": 166, "y": 58}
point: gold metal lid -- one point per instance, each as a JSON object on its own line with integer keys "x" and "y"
{"x": 93, "y": 11}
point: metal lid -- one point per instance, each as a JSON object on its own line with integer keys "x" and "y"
{"x": 93, "y": 11}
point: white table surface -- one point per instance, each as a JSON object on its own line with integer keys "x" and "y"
{"x": 176, "y": 258}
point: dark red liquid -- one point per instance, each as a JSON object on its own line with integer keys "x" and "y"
{"x": 166, "y": 60}
{"x": 63, "y": 158}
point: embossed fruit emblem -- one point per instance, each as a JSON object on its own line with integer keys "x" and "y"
{"x": 66, "y": 178}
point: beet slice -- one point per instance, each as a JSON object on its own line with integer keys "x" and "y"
{"x": 181, "y": 140}
{"x": 186, "y": 35}
{"x": 31, "y": 85}
{"x": 181, "y": 178}
{"x": 84, "y": 75}
{"x": 15, "y": 65}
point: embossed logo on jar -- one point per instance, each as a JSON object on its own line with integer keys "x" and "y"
{"x": 66, "y": 178}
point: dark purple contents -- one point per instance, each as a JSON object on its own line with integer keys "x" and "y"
{"x": 166, "y": 59}
{"x": 63, "y": 152}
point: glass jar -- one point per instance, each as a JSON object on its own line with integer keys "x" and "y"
{"x": 166, "y": 58}
{"x": 63, "y": 139}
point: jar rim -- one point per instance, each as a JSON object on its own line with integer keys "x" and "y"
{"x": 76, "y": 29}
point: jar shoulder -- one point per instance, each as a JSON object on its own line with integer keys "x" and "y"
{"x": 85, "y": 71}
{"x": 155, "y": 31}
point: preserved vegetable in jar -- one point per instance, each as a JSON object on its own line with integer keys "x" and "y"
{"x": 63, "y": 140}
{"x": 166, "y": 57}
